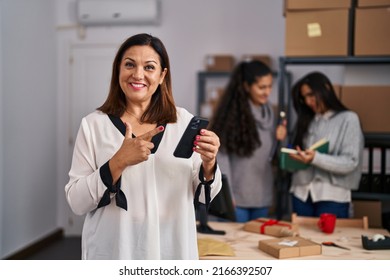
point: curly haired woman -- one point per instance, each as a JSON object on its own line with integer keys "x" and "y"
{"x": 245, "y": 124}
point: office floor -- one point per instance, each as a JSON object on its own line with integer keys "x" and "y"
{"x": 67, "y": 248}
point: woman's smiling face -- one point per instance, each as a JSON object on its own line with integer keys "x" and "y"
{"x": 140, "y": 73}
{"x": 260, "y": 90}
{"x": 311, "y": 100}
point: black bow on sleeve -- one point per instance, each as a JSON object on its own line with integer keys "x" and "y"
{"x": 120, "y": 197}
{"x": 207, "y": 190}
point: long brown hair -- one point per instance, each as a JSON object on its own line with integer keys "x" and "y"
{"x": 324, "y": 93}
{"x": 233, "y": 120}
{"x": 162, "y": 107}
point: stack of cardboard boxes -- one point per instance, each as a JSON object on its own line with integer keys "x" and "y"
{"x": 288, "y": 244}
{"x": 344, "y": 28}
{"x": 371, "y": 38}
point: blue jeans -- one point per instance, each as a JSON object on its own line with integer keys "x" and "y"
{"x": 315, "y": 209}
{"x": 246, "y": 214}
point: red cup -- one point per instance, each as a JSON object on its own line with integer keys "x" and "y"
{"x": 327, "y": 222}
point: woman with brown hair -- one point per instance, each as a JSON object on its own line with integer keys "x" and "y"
{"x": 324, "y": 187}
{"x": 247, "y": 128}
{"x": 137, "y": 196}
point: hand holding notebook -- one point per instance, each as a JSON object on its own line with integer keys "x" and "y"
{"x": 287, "y": 162}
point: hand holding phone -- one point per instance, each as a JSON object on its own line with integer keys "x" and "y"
{"x": 184, "y": 148}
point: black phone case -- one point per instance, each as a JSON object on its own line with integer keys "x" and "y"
{"x": 186, "y": 143}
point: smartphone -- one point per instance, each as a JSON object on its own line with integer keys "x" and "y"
{"x": 186, "y": 143}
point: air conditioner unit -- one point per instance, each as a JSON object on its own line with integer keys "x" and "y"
{"x": 118, "y": 12}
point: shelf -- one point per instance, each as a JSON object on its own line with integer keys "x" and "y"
{"x": 377, "y": 139}
{"x": 206, "y": 74}
{"x": 202, "y": 77}
{"x": 372, "y": 140}
{"x": 370, "y": 196}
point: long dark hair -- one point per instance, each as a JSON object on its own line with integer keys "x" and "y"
{"x": 162, "y": 108}
{"x": 233, "y": 120}
{"x": 324, "y": 93}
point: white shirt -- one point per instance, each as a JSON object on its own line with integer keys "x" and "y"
{"x": 321, "y": 191}
{"x": 160, "y": 219}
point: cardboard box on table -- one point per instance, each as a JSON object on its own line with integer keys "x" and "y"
{"x": 317, "y": 28}
{"x": 290, "y": 247}
{"x": 271, "y": 227}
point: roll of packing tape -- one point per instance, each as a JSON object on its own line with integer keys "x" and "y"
{"x": 377, "y": 237}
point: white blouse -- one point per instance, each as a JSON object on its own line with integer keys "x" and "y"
{"x": 159, "y": 222}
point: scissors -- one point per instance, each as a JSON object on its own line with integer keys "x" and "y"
{"x": 329, "y": 243}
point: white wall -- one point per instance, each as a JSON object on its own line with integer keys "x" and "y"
{"x": 29, "y": 116}
{"x": 1, "y": 131}
{"x": 191, "y": 29}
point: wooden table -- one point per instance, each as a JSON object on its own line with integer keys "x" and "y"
{"x": 245, "y": 243}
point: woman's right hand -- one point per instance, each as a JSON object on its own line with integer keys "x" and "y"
{"x": 305, "y": 156}
{"x": 281, "y": 131}
{"x": 132, "y": 150}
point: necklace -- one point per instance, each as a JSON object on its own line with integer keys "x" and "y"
{"x": 137, "y": 119}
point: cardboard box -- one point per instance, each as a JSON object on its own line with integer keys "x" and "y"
{"x": 271, "y": 227}
{"x": 371, "y": 103}
{"x": 370, "y": 208}
{"x": 266, "y": 59}
{"x": 372, "y": 33}
{"x": 316, "y": 4}
{"x": 281, "y": 247}
{"x": 219, "y": 62}
{"x": 373, "y": 3}
{"x": 337, "y": 89}
{"x": 317, "y": 33}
